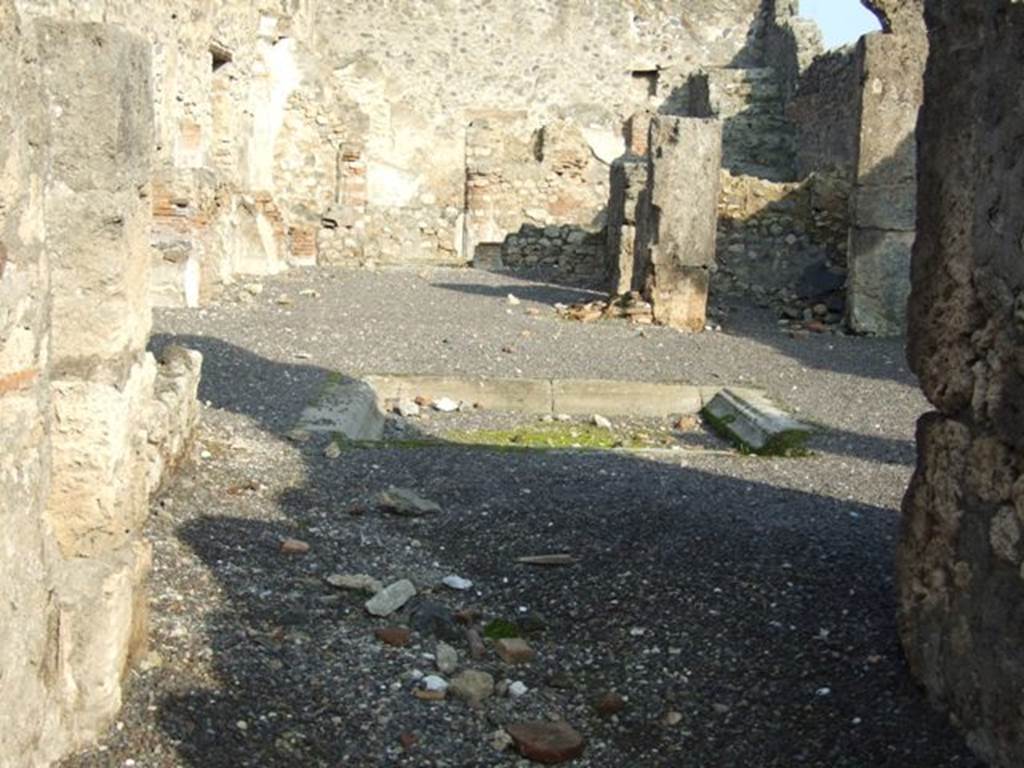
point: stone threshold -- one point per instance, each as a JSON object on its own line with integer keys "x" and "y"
{"x": 355, "y": 408}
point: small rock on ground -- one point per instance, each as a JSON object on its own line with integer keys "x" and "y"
{"x": 472, "y": 686}
{"x": 548, "y": 743}
{"x": 405, "y": 502}
{"x": 390, "y": 599}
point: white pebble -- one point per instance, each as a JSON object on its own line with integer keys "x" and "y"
{"x": 435, "y": 683}
{"x": 457, "y": 583}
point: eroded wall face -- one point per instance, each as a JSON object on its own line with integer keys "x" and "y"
{"x": 961, "y": 554}
{"x": 28, "y": 555}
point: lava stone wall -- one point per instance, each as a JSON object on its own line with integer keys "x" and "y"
{"x": 961, "y": 553}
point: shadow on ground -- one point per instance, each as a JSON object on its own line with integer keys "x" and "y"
{"x": 763, "y": 615}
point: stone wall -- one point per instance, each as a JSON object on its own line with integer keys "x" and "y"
{"x": 535, "y": 199}
{"x": 783, "y": 244}
{"x": 247, "y": 130}
{"x": 960, "y": 556}
{"x": 824, "y": 111}
{"x": 88, "y": 421}
{"x": 422, "y": 73}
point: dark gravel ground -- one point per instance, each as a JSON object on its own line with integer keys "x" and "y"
{"x": 752, "y": 598}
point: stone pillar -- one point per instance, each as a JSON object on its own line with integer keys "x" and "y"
{"x": 890, "y": 69}
{"x": 628, "y": 181}
{"x": 96, "y": 80}
{"x": 960, "y": 557}
{"x": 678, "y": 219}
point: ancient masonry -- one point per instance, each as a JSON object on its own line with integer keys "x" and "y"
{"x": 89, "y": 421}
{"x": 960, "y": 559}
{"x": 154, "y": 150}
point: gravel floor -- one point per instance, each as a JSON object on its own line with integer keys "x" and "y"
{"x": 742, "y": 607}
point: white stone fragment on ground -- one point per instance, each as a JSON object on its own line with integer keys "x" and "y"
{"x": 391, "y": 598}
{"x": 355, "y": 582}
{"x": 446, "y": 405}
{"x": 434, "y": 683}
{"x": 254, "y": 289}
{"x": 513, "y": 300}
{"x": 517, "y": 689}
{"x": 407, "y": 408}
{"x": 333, "y": 450}
{"x": 457, "y": 583}
{"x": 446, "y": 658}
{"x": 602, "y": 422}
{"x": 405, "y": 502}
{"x": 563, "y": 417}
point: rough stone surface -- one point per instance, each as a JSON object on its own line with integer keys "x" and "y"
{"x": 472, "y": 686}
{"x": 960, "y": 575}
{"x": 89, "y": 422}
{"x": 391, "y": 598}
{"x": 678, "y": 222}
{"x": 628, "y": 181}
{"x": 547, "y": 743}
{"x": 891, "y": 71}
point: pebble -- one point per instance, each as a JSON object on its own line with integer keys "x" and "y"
{"x": 407, "y": 409}
{"x": 477, "y": 649}
{"x": 513, "y": 300}
{"x": 549, "y": 743}
{"x": 406, "y": 503}
{"x": 333, "y": 450}
{"x": 609, "y": 703}
{"x": 356, "y": 582}
{"x": 514, "y": 650}
{"x": 391, "y": 598}
{"x": 434, "y": 683}
{"x": 457, "y": 583}
{"x": 472, "y": 686}
{"x": 500, "y": 740}
{"x": 446, "y": 405}
{"x": 517, "y": 689}
{"x": 447, "y": 658}
{"x": 672, "y": 719}
{"x": 294, "y": 547}
{"x": 397, "y": 637}
{"x": 602, "y": 422}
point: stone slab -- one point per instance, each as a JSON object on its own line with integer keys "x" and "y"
{"x": 347, "y": 407}
{"x": 582, "y": 397}
{"x": 754, "y": 423}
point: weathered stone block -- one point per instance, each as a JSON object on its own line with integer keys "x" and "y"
{"x": 99, "y": 497}
{"x": 678, "y": 219}
{"x": 878, "y": 281}
{"x": 96, "y": 80}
